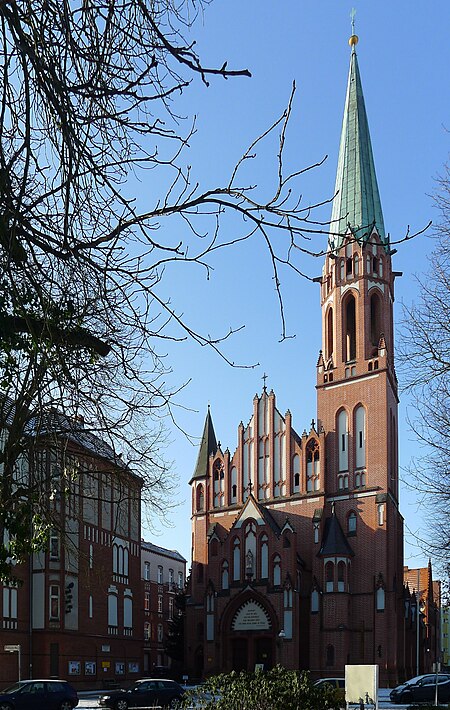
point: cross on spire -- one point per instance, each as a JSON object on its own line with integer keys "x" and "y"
{"x": 264, "y": 378}
{"x": 352, "y": 16}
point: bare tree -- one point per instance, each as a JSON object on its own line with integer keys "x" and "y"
{"x": 88, "y": 101}
{"x": 425, "y": 361}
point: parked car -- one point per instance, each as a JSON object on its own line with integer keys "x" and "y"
{"x": 334, "y": 682}
{"x": 34, "y": 694}
{"x": 144, "y": 693}
{"x": 338, "y": 683}
{"x": 422, "y": 688}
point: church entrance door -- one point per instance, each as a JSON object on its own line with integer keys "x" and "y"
{"x": 240, "y": 654}
{"x": 247, "y": 652}
{"x": 263, "y": 652}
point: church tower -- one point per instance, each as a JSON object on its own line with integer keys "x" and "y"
{"x": 357, "y": 397}
{"x": 297, "y": 539}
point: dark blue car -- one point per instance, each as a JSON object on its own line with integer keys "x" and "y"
{"x": 143, "y": 694}
{"x": 39, "y": 695}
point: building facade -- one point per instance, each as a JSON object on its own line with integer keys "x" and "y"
{"x": 423, "y": 635}
{"x": 297, "y": 538}
{"x": 78, "y": 610}
{"x": 164, "y": 576}
{"x": 445, "y": 637}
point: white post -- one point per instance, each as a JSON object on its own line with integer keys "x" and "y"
{"x": 417, "y": 634}
{"x": 19, "y": 661}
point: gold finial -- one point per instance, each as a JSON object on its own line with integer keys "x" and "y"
{"x": 353, "y": 41}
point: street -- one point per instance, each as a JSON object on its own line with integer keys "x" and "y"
{"x": 90, "y": 703}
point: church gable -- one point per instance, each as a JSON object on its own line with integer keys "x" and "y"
{"x": 253, "y": 511}
{"x": 250, "y": 510}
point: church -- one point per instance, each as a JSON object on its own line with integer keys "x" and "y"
{"x": 297, "y": 538}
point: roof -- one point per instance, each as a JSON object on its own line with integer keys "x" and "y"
{"x": 57, "y": 424}
{"x": 173, "y": 554}
{"x": 357, "y": 200}
{"x": 253, "y": 509}
{"x": 334, "y": 541}
{"x": 208, "y": 446}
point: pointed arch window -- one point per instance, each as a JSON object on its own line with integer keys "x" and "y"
{"x": 210, "y": 615}
{"x": 225, "y": 578}
{"x": 375, "y": 319}
{"x": 263, "y": 468}
{"x": 360, "y": 479}
{"x": 296, "y": 474}
{"x": 316, "y": 527}
{"x": 219, "y": 484}
{"x": 250, "y": 548}
{"x": 350, "y": 328}
{"x": 356, "y": 264}
{"x": 276, "y": 571}
{"x": 287, "y": 612}
{"x": 342, "y": 428}
{"x": 312, "y": 466}
{"x": 236, "y": 560}
{"x": 314, "y": 601}
{"x": 200, "y": 497}
{"x": 329, "y": 334}
{"x": 233, "y": 485}
{"x": 264, "y": 557}
{"x": 351, "y": 523}
{"x": 360, "y": 437}
{"x": 341, "y": 576}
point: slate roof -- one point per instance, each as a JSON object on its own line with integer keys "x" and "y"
{"x": 173, "y": 554}
{"x": 334, "y": 542}
{"x": 357, "y": 199}
{"x": 56, "y": 424}
{"x": 208, "y": 446}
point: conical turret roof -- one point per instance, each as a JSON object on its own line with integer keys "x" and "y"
{"x": 208, "y": 446}
{"x": 334, "y": 542}
{"x": 357, "y": 201}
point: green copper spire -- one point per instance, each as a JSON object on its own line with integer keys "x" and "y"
{"x": 357, "y": 200}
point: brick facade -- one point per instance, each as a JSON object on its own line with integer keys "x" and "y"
{"x": 78, "y": 613}
{"x": 297, "y": 552}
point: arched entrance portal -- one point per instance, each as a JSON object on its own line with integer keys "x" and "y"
{"x": 250, "y": 635}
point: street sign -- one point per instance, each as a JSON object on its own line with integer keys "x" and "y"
{"x": 11, "y": 649}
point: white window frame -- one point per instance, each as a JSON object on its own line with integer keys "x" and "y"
{"x": 54, "y": 602}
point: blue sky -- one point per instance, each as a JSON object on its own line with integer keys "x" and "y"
{"x": 404, "y": 59}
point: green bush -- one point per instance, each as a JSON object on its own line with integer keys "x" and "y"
{"x": 277, "y": 689}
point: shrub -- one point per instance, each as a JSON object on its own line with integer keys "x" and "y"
{"x": 277, "y": 689}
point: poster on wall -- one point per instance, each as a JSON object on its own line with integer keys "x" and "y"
{"x": 120, "y": 668}
{"x": 133, "y": 667}
{"x": 74, "y": 667}
{"x": 90, "y": 668}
